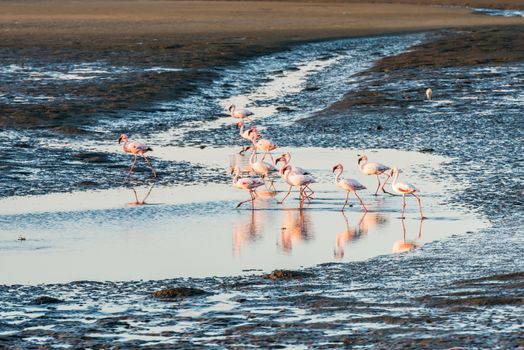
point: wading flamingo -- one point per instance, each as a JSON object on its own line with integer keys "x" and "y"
{"x": 373, "y": 169}
{"x": 348, "y": 185}
{"x": 286, "y": 158}
{"x": 428, "y": 93}
{"x": 263, "y": 169}
{"x": 246, "y": 183}
{"x": 263, "y": 145}
{"x": 404, "y": 188}
{"x": 295, "y": 180}
{"x": 240, "y": 113}
{"x": 136, "y": 149}
{"x": 246, "y": 134}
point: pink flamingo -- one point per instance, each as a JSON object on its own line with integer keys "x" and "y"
{"x": 246, "y": 134}
{"x": 264, "y": 145}
{"x": 405, "y": 188}
{"x": 286, "y": 158}
{"x": 260, "y": 167}
{"x": 240, "y": 113}
{"x": 428, "y": 93}
{"x": 295, "y": 180}
{"x": 348, "y": 185}
{"x": 246, "y": 183}
{"x": 373, "y": 169}
{"x": 135, "y": 148}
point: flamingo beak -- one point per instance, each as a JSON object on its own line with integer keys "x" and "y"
{"x": 119, "y": 139}
{"x": 335, "y": 168}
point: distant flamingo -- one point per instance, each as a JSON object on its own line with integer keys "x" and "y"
{"x": 348, "y": 185}
{"x": 240, "y": 113}
{"x": 260, "y": 167}
{"x": 404, "y": 188}
{"x": 136, "y": 149}
{"x": 286, "y": 158}
{"x": 246, "y": 134}
{"x": 295, "y": 180}
{"x": 264, "y": 145}
{"x": 428, "y": 93}
{"x": 246, "y": 183}
{"x": 373, "y": 169}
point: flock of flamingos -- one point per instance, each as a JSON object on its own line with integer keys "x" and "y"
{"x": 292, "y": 175}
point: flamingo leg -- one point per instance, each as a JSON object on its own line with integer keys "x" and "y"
{"x": 247, "y": 200}
{"x": 272, "y": 184}
{"x": 288, "y": 192}
{"x": 136, "y": 196}
{"x": 346, "y": 202}
{"x": 385, "y": 182}
{"x": 304, "y": 195}
{"x": 311, "y": 193}
{"x": 362, "y": 203}
{"x": 378, "y": 187}
{"x": 272, "y": 160}
{"x": 147, "y": 160}
{"x": 419, "y": 205}
{"x": 132, "y": 166}
{"x": 403, "y": 205}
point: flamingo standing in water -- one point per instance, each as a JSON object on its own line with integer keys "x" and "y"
{"x": 263, "y": 145}
{"x": 404, "y": 188}
{"x": 136, "y": 149}
{"x": 295, "y": 180}
{"x": 240, "y": 113}
{"x": 246, "y": 183}
{"x": 263, "y": 169}
{"x": 348, "y": 185}
{"x": 286, "y": 158}
{"x": 373, "y": 169}
{"x": 428, "y": 93}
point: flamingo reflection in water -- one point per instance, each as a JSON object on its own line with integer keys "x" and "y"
{"x": 296, "y": 227}
{"x": 246, "y": 232}
{"x": 143, "y": 201}
{"x": 366, "y": 222}
{"x": 404, "y": 245}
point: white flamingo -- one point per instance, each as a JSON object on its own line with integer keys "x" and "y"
{"x": 295, "y": 180}
{"x": 373, "y": 169}
{"x": 261, "y": 168}
{"x": 246, "y": 134}
{"x": 264, "y": 145}
{"x": 240, "y": 113}
{"x": 428, "y": 93}
{"x": 286, "y": 158}
{"x": 136, "y": 149}
{"x": 246, "y": 183}
{"x": 348, "y": 185}
{"x": 404, "y": 188}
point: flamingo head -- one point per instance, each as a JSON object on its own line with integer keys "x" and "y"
{"x": 361, "y": 158}
{"x": 253, "y": 134}
{"x": 122, "y": 137}
{"x": 231, "y": 108}
{"x": 338, "y": 167}
{"x": 285, "y": 169}
{"x": 282, "y": 158}
{"x": 240, "y": 123}
{"x": 395, "y": 170}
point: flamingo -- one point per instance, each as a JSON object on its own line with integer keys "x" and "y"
{"x": 263, "y": 145}
{"x": 135, "y": 148}
{"x": 404, "y": 188}
{"x": 246, "y": 183}
{"x": 263, "y": 169}
{"x": 428, "y": 93}
{"x": 286, "y": 158}
{"x": 240, "y": 113}
{"x": 246, "y": 134}
{"x": 373, "y": 169}
{"x": 348, "y": 185}
{"x": 295, "y": 180}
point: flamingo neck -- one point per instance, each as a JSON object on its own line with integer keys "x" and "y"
{"x": 235, "y": 177}
{"x": 395, "y": 177}
{"x": 337, "y": 178}
{"x": 252, "y": 158}
{"x": 124, "y": 146}
{"x": 241, "y": 129}
{"x": 232, "y": 110}
{"x": 363, "y": 163}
